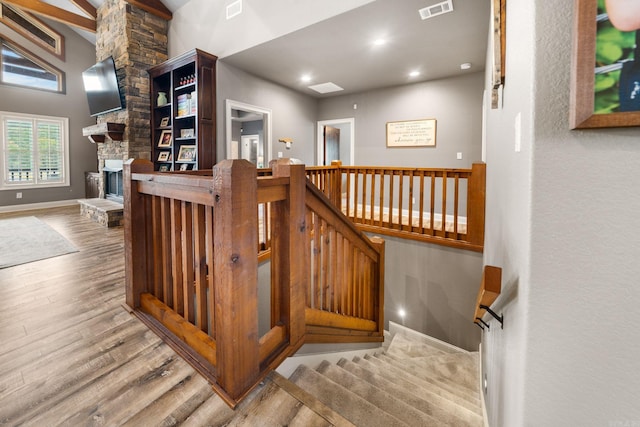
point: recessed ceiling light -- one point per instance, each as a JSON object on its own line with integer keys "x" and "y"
{"x": 306, "y": 78}
{"x": 465, "y": 66}
{"x": 379, "y": 42}
{"x": 414, "y": 74}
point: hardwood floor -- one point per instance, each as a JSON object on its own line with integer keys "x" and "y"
{"x": 71, "y": 355}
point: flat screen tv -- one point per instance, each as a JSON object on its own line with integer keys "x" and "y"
{"x": 101, "y": 85}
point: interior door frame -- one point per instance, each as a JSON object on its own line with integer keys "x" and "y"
{"x": 230, "y": 104}
{"x": 320, "y": 138}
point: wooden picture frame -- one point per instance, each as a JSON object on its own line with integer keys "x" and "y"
{"x": 411, "y": 133}
{"x": 165, "y": 139}
{"x": 187, "y": 153}
{"x": 499, "y": 44}
{"x": 164, "y": 122}
{"x": 583, "y": 113}
{"x": 163, "y": 156}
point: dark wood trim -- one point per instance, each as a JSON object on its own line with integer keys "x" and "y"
{"x": 55, "y": 13}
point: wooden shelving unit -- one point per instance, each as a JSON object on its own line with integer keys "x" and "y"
{"x": 183, "y": 130}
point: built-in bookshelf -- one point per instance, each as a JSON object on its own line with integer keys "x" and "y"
{"x": 183, "y": 112}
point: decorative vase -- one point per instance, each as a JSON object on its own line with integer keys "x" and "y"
{"x": 162, "y": 99}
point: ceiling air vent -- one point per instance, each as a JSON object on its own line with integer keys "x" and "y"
{"x": 436, "y": 9}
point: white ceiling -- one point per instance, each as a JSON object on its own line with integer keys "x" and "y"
{"x": 340, "y": 49}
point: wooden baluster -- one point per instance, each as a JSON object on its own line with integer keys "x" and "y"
{"x": 209, "y": 268}
{"x": 136, "y": 221}
{"x": 432, "y": 208}
{"x": 235, "y": 281}
{"x": 443, "y": 218}
{"x": 421, "y": 208}
{"x": 308, "y": 257}
{"x": 391, "y": 185}
{"x": 200, "y": 259}
{"x": 400, "y": 199}
{"x": 381, "y": 202}
{"x": 176, "y": 257}
{"x": 156, "y": 203}
{"x": 455, "y": 205}
{"x": 410, "y": 201}
{"x": 373, "y": 194}
{"x": 348, "y": 197}
{"x": 355, "y": 195}
{"x": 188, "y": 278}
{"x": 165, "y": 244}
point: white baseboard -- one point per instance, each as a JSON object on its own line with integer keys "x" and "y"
{"x": 42, "y": 205}
{"x": 483, "y": 403}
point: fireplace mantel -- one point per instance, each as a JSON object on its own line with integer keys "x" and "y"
{"x": 97, "y": 133}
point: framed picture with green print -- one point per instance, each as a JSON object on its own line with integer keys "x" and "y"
{"x": 605, "y": 80}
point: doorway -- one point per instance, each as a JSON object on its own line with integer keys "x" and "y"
{"x": 340, "y": 145}
{"x": 248, "y": 133}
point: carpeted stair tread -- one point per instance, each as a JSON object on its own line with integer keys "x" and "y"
{"x": 406, "y": 347}
{"x": 392, "y": 372}
{"x": 380, "y": 398}
{"x": 438, "y": 407}
{"x": 417, "y": 338}
{"x": 461, "y": 368}
{"x": 432, "y": 377}
{"x": 352, "y": 407}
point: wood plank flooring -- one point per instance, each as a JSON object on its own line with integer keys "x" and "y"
{"x": 71, "y": 355}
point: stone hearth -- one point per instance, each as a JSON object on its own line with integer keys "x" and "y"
{"x": 103, "y": 211}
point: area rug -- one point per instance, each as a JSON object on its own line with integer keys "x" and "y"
{"x": 28, "y": 239}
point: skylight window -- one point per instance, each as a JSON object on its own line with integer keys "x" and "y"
{"x": 20, "y": 68}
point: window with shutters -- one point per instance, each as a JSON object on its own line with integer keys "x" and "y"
{"x": 35, "y": 151}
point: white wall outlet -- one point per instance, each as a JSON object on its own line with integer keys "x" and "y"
{"x": 413, "y": 200}
{"x": 459, "y": 155}
{"x": 279, "y": 154}
{"x": 18, "y": 195}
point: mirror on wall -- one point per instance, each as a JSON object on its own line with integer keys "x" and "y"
{"x": 248, "y": 130}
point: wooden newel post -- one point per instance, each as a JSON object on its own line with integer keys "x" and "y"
{"x": 288, "y": 267}
{"x": 236, "y": 275}
{"x": 379, "y": 303}
{"x": 135, "y": 226}
{"x": 476, "y": 199}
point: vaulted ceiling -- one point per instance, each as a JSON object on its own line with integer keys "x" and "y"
{"x": 81, "y": 14}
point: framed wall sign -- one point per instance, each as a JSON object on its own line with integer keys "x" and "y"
{"x": 604, "y": 77}
{"x": 411, "y": 133}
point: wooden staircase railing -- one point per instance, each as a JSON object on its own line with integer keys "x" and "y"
{"x": 191, "y": 248}
{"x": 442, "y": 206}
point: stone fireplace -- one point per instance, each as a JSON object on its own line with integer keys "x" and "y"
{"x": 137, "y": 40}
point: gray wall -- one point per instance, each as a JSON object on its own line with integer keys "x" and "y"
{"x": 437, "y": 286}
{"x": 80, "y": 55}
{"x": 455, "y": 103}
{"x": 293, "y": 114}
{"x": 562, "y": 223}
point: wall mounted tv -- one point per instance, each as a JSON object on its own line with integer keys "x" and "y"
{"x": 101, "y": 86}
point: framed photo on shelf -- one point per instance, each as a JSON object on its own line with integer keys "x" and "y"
{"x": 164, "y": 122}
{"x": 165, "y": 139}
{"x": 163, "y": 168}
{"x": 184, "y": 167}
{"x": 187, "y": 153}
{"x": 163, "y": 156}
{"x": 187, "y": 133}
